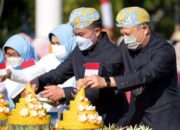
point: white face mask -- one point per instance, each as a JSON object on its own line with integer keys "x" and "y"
{"x": 131, "y": 43}
{"x": 83, "y": 43}
{"x": 14, "y": 61}
{"x": 59, "y": 50}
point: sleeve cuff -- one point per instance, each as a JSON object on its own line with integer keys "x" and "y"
{"x": 121, "y": 82}
{"x": 69, "y": 94}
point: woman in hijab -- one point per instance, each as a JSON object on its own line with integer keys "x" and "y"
{"x": 62, "y": 44}
{"x": 41, "y": 46}
{"x": 17, "y": 50}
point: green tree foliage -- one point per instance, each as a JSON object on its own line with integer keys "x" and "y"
{"x": 19, "y": 15}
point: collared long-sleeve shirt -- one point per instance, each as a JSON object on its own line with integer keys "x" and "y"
{"x": 108, "y": 103}
{"x": 151, "y": 75}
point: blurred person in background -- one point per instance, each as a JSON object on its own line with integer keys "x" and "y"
{"x": 176, "y": 42}
{"x": 107, "y": 19}
{"x": 93, "y": 47}
{"x": 150, "y": 72}
{"x": 41, "y": 46}
{"x": 26, "y": 36}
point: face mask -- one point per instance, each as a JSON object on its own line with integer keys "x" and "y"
{"x": 131, "y": 42}
{"x": 59, "y": 51}
{"x": 83, "y": 43}
{"x": 14, "y": 62}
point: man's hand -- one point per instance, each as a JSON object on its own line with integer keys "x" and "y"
{"x": 80, "y": 83}
{"x": 53, "y": 92}
{"x": 91, "y": 81}
{"x": 95, "y": 81}
{"x": 34, "y": 84}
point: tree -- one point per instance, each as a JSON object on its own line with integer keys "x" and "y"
{"x": 19, "y": 15}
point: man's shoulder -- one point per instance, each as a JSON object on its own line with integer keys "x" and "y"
{"x": 106, "y": 41}
{"x": 156, "y": 37}
{"x": 75, "y": 51}
{"x": 158, "y": 40}
{"x": 159, "y": 43}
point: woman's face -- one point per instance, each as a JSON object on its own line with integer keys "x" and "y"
{"x": 9, "y": 52}
{"x": 13, "y": 58}
{"x": 54, "y": 40}
{"x": 58, "y": 49}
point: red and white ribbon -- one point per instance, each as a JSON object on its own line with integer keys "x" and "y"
{"x": 92, "y": 69}
{"x": 3, "y": 69}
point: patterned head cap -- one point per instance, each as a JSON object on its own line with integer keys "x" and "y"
{"x": 83, "y": 17}
{"x": 132, "y": 16}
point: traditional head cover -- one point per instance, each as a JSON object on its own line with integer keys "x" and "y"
{"x": 83, "y": 17}
{"x": 132, "y": 16}
{"x": 65, "y": 35}
{"x": 22, "y": 46}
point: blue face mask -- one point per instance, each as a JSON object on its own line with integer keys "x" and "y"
{"x": 83, "y": 43}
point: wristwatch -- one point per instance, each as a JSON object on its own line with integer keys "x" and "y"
{"x": 108, "y": 81}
